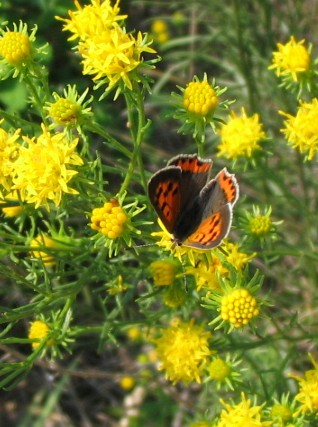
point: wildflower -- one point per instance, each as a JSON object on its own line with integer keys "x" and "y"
{"x": 283, "y": 413}
{"x": 41, "y": 172}
{"x": 223, "y": 372}
{"x": 160, "y": 31}
{"x": 9, "y": 151}
{"x": 39, "y": 245}
{"x": 301, "y": 130}
{"x": 166, "y": 242}
{"x": 16, "y": 208}
{"x": 134, "y": 333}
{"x": 200, "y": 98}
{"x": 291, "y": 59}
{"x": 308, "y": 390}
{"x": 182, "y": 350}
{"x": 69, "y": 110}
{"x": 109, "y": 220}
{"x": 175, "y": 295}
{"x": 240, "y": 136}
{"x": 207, "y": 270}
{"x": 117, "y": 286}
{"x": 92, "y": 19}
{"x": 236, "y": 301}
{"x": 258, "y": 223}
{"x": 239, "y": 307}
{"x": 196, "y": 106}
{"x": 235, "y": 257}
{"x": 127, "y": 382}
{"x": 15, "y": 46}
{"x": 39, "y": 330}
{"x": 243, "y": 414}
{"x": 113, "y": 55}
{"x": 163, "y": 272}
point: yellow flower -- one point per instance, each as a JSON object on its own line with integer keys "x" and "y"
{"x": 113, "y": 54}
{"x": 160, "y": 31}
{"x": 281, "y": 413}
{"x": 206, "y": 272}
{"x": 240, "y": 136}
{"x": 127, "y": 382}
{"x": 175, "y": 295}
{"x": 163, "y": 272}
{"x": 182, "y": 350}
{"x": 41, "y": 172}
{"x": 15, "y": 46}
{"x": 64, "y": 111}
{"x": 301, "y": 131}
{"x": 14, "y": 210}
{"x": 92, "y": 19}
{"x": 244, "y": 414}
{"x": 260, "y": 225}
{"x": 109, "y": 220}
{"x": 235, "y": 257}
{"x": 39, "y": 330}
{"x": 308, "y": 390}
{"x": 291, "y": 59}
{"x": 239, "y": 307}
{"x": 166, "y": 242}
{"x": 69, "y": 110}
{"x": 9, "y": 150}
{"x": 200, "y": 98}
{"x": 223, "y": 372}
{"x": 219, "y": 369}
{"x": 42, "y": 242}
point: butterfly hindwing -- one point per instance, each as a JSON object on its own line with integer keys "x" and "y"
{"x": 212, "y": 230}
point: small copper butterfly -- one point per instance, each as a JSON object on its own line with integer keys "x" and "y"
{"x": 197, "y": 211}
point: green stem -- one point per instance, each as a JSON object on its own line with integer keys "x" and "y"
{"x": 99, "y": 130}
{"x": 137, "y": 128}
{"x": 36, "y": 95}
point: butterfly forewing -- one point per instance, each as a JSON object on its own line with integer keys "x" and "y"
{"x": 164, "y": 189}
{"x": 194, "y": 176}
{"x": 229, "y": 185}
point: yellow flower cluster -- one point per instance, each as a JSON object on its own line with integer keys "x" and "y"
{"x": 219, "y": 369}
{"x": 109, "y": 220}
{"x": 182, "y": 350}
{"x": 301, "y": 130}
{"x": 159, "y": 31}
{"x": 260, "y": 225}
{"x": 239, "y": 307}
{"x": 38, "y": 171}
{"x": 41, "y": 242}
{"x": 41, "y": 171}
{"x": 38, "y": 330}
{"x": 15, "y": 47}
{"x": 200, "y": 98}
{"x": 240, "y": 136}
{"x": 242, "y": 414}
{"x": 163, "y": 272}
{"x": 291, "y": 59}
{"x": 308, "y": 390}
{"x": 64, "y": 111}
{"x": 107, "y": 50}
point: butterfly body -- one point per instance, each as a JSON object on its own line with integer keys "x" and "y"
{"x": 195, "y": 210}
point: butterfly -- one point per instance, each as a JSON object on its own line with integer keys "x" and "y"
{"x": 195, "y": 210}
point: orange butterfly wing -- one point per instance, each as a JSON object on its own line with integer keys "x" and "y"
{"x": 164, "y": 191}
{"x": 212, "y": 230}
